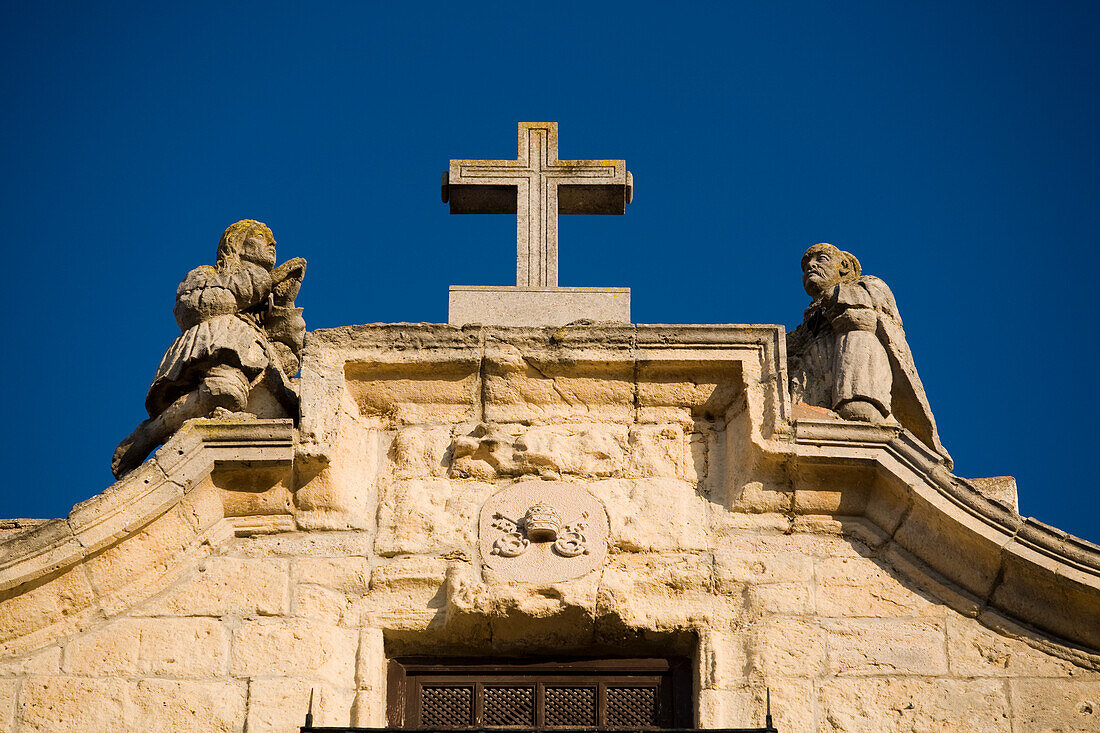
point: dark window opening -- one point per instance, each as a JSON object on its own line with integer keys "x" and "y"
{"x": 545, "y": 695}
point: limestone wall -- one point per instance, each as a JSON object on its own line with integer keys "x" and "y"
{"x": 837, "y": 564}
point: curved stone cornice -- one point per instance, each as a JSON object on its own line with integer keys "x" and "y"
{"x": 54, "y": 553}
{"x": 977, "y": 556}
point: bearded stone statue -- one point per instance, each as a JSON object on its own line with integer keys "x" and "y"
{"x": 850, "y": 354}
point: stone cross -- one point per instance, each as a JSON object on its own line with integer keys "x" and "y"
{"x": 536, "y": 187}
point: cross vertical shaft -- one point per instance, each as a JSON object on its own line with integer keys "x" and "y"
{"x": 536, "y": 187}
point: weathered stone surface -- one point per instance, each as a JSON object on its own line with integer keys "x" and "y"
{"x": 886, "y": 646}
{"x": 745, "y": 705}
{"x": 340, "y": 573}
{"x": 45, "y": 661}
{"x": 666, "y": 591}
{"x": 140, "y": 563}
{"x": 514, "y": 306}
{"x": 57, "y": 704}
{"x": 295, "y": 647}
{"x": 915, "y": 705}
{"x": 654, "y": 514}
{"x": 9, "y": 689}
{"x": 414, "y": 391}
{"x": 405, "y": 591}
{"x": 536, "y": 390}
{"x": 853, "y": 587}
{"x": 974, "y": 651}
{"x": 191, "y": 647}
{"x": 228, "y": 585}
{"x": 177, "y": 705}
{"x": 278, "y": 705}
{"x": 998, "y": 488}
{"x": 667, "y": 451}
{"x": 1062, "y": 705}
{"x": 429, "y": 515}
{"x": 315, "y": 543}
{"x": 418, "y": 451}
{"x": 787, "y": 647}
{"x": 762, "y": 568}
{"x": 45, "y": 604}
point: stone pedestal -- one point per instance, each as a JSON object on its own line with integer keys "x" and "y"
{"x": 523, "y": 306}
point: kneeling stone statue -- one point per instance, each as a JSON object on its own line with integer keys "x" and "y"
{"x": 850, "y": 354}
{"x": 241, "y": 335}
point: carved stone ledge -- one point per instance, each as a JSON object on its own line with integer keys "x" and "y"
{"x": 144, "y": 494}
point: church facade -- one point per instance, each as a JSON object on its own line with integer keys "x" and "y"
{"x": 590, "y": 524}
{"x": 835, "y": 564}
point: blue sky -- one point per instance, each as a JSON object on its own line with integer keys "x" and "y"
{"x": 951, "y": 146}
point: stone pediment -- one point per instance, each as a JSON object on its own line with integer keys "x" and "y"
{"x": 828, "y": 560}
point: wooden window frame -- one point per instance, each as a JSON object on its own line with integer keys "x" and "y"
{"x": 674, "y": 683}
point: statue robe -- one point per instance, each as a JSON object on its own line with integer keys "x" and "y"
{"x": 851, "y": 346}
{"x": 218, "y": 312}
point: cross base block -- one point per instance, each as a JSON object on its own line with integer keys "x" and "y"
{"x": 521, "y": 306}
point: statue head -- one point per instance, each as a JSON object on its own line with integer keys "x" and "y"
{"x": 825, "y": 266}
{"x": 248, "y": 240}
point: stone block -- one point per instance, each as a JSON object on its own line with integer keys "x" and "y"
{"x": 1056, "y": 705}
{"x": 39, "y": 606}
{"x": 975, "y": 651}
{"x": 324, "y": 604}
{"x": 666, "y": 451}
{"x": 418, "y": 391}
{"x": 679, "y": 391}
{"x": 787, "y": 647}
{"x": 228, "y": 586}
{"x": 519, "y": 389}
{"x": 315, "y": 543}
{"x": 341, "y": 494}
{"x": 914, "y": 705}
{"x": 769, "y": 535}
{"x": 371, "y": 662}
{"x": 998, "y": 488}
{"x": 369, "y": 710}
{"x": 295, "y": 647}
{"x": 183, "y": 647}
{"x": 279, "y": 705}
{"x": 762, "y": 567}
{"x": 420, "y": 451}
{"x": 429, "y": 515}
{"x": 351, "y": 574}
{"x": 586, "y": 449}
{"x": 44, "y": 661}
{"x": 723, "y": 657}
{"x": 758, "y": 497}
{"x": 886, "y": 647}
{"x": 650, "y": 591}
{"x": 405, "y": 592}
{"x": 507, "y": 305}
{"x": 9, "y": 691}
{"x": 850, "y": 587}
{"x": 183, "y": 706}
{"x": 783, "y": 599}
{"x": 74, "y": 704}
{"x": 654, "y": 514}
{"x": 745, "y": 705}
{"x": 142, "y": 559}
